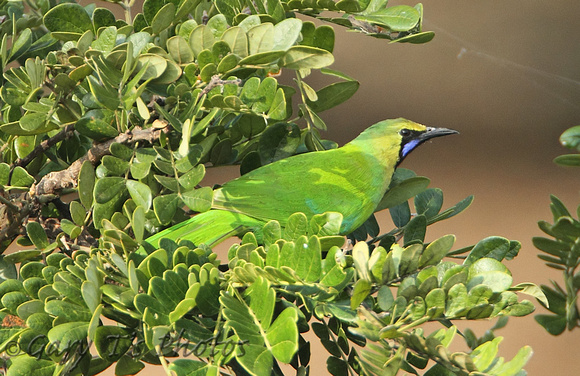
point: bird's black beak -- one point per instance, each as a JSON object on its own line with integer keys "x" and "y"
{"x": 435, "y": 132}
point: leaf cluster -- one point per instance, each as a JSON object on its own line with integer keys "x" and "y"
{"x": 253, "y": 315}
{"x": 128, "y": 114}
{"x": 560, "y": 251}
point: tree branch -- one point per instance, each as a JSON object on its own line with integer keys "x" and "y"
{"x": 45, "y": 145}
{"x": 56, "y": 181}
{"x": 217, "y": 81}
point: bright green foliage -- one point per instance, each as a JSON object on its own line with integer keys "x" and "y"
{"x": 176, "y": 299}
{"x": 129, "y": 113}
{"x": 560, "y": 250}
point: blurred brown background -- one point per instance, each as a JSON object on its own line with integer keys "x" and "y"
{"x": 506, "y": 74}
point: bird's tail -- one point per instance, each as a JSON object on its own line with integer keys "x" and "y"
{"x": 210, "y": 228}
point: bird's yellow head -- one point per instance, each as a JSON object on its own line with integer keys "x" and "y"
{"x": 400, "y": 135}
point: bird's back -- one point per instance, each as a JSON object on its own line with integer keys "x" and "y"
{"x": 347, "y": 180}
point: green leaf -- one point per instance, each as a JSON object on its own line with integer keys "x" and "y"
{"x": 570, "y": 138}
{"x": 106, "y": 40}
{"x": 108, "y": 188}
{"x": 324, "y": 38}
{"x": 163, "y": 18}
{"x": 165, "y": 207}
{"x": 72, "y": 230}
{"x": 193, "y": 177}
{"x": 533, "y": 290}
{"x": 491, "y": 273}
{"x": 21, "y": 256}
{"x": 138, "y": 223}
{"x": 337, "y": 366}
{"x": 102, "y": 17}
{"x": 34, "y": 122}
{"x": 514, "y": 366}
{"x": 554, "y": 324}
{"x": 155, "y": 64}
{"x": 286, "y": 33}
{"x": 65, "y": 334}
{"x": 104, "y": 94}
{"x": 261, "y": 38}
{"x": 282, "y": 335}
{"x": 91, "y": 295}
{"x": 111, "y": 342}
{"x": 192, "y": 367}
{"x": 222, "y": 152}
{"x": 332, "y": 95}
{"x": 96, "y": 124}
{"x": 199, "y": 200}
{"x": 572, "y": 160}
{"x": 264, "y": 96}
{"x": 416, "y": 38}
{"x": 262, "y": 301}
{"x": 150, "y": 9}
{"x": 86, "y": 184}
{"x": 396, "y": 18}
{"x": 360, "y": 256}
{"x": 27, "y": 365}
{"x": 493, "y": 247}
{"x": 415, "y": 230}
{"x": 458, "y": 208}
{"x": 21, "y": 44}
{"x": 169, "y": 290}
{"x": 201, "y": 38}
{"x": 140, "y": 193}
{"x": 362, "y": 289}
{"x": 309, "y": 259}
{"x": 305, "y": 57}
{"x": 217, "y": 25}
{"x": 114, "y": 165}
{"x": 429, "y": 202}
{"x": 400, "y": 214}
{"x": 237, "y": 39}
{"x": 278, "y": 141}
{"x": 436, "y": 250}
{"x": 4, "y": 173}
{"x": 21, "y": 178}
{"x": 262, "y": 58}
{"x": 24, "y": 145}
{"x": 179, "y": 50}
{"x": 296, "y": 227}
{"x": 278, "y": 108}
{"x": 7, "y": 270}
{"x": 68, "y": 17}
{"x": 403, "y": 191}
{"x": 456, "y": 301}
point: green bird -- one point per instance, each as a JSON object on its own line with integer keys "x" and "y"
{"x": 350, "y": 180}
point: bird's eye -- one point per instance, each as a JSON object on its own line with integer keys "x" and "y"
{"x": 405, "y": 132}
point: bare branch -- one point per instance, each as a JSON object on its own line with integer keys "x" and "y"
{"x": 217, "y": 81}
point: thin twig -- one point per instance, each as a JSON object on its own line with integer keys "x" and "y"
{"x": 67, "y": 132}
{"x": 11, "y": 224}
{"x": 217, "y": 81}
{"x": 9, "y": 204}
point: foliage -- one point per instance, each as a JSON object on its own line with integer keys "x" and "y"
{"x": 129, "y": 114}
{"x": 561, "y": 251}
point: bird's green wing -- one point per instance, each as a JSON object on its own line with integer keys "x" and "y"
{"x": 342, "y": 180}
